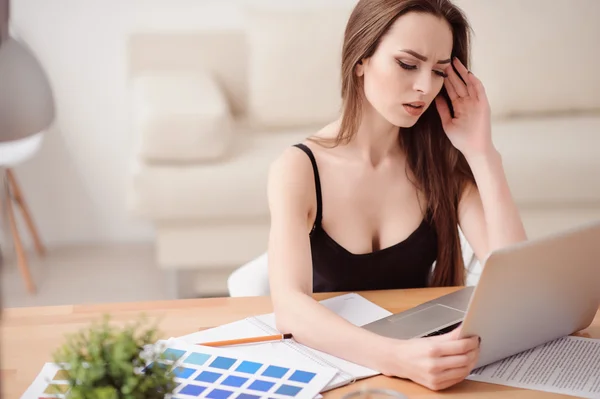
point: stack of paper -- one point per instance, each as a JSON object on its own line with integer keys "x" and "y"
{"x": 352, "y": 307}
{"x": 569, "y": 366}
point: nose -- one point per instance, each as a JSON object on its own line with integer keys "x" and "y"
{"x": 423, "y": 82}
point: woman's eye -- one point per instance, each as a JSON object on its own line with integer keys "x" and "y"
{"x": 406, "y": 66}
{"x": 411, "y": 67}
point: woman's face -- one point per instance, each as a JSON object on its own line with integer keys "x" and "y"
{"x": 407, "y": 70}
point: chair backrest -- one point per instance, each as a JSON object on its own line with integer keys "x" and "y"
{"x": 26, "y": 101}
{"x": 4, "y": 6}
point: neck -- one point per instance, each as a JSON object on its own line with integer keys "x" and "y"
{"x": 376, "y": 138}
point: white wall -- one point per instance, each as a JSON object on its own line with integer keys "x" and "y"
{"x": 77, "y": 185}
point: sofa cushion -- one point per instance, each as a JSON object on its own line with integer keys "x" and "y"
{"x": 210, "y": 246}
{"x": 548, "y": 162}
{"x": 180, "y": 117}
{"x": 536, "y": 56}
{"x": 234, "y": 188}
{"x": 294, "y": 62}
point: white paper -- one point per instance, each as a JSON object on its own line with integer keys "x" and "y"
{"x": 358, "y": 311}
{"x": 568, "y": 366}
{"x": 352, "y": 307}
{"x": 42, "y": 381}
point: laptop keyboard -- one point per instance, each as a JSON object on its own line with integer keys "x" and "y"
{"x": 443, "y": 330}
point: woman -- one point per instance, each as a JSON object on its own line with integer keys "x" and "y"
{"x": 376, "y": 197}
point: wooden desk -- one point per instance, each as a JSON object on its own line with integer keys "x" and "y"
{"x": 30, "y": 336}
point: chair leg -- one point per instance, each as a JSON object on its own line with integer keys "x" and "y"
{"x": 21, "y": 256}
{"x": 19, "y": 198}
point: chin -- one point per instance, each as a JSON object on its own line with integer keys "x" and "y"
{"x": 403, "y": 121}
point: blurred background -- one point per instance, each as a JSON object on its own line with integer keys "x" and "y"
{"x": 137, "y": 134}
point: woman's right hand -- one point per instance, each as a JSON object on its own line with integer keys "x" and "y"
{"x": 437, "y": 362}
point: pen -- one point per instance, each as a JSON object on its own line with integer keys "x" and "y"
{"x": 278, "y": 337}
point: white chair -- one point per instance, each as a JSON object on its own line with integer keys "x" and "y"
{"x": 13, "y": 153}
{"x": 26, "y": 111}
{"x": 252, "y": 278}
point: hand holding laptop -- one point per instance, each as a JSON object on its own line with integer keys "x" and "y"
{"x": 529, "y": 294}
{"x": 436, "y": 362}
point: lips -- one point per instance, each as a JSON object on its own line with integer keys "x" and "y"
{"x": 415, "y": 108}
{"x": 416, "y": 104}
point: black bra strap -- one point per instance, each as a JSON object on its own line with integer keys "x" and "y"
{"x": 317, "y": 182}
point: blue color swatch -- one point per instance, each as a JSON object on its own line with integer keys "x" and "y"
{"x": 173, "y": 354}
{"x": 220, "y": 375}
{"x": 197, "y": 358}
{"x": 275, "y": 372}
{"x": 208, "y": 376}
{"x": 234, "y": 381}
{"x": 219, "y": 394}
{"x": 302, "y": 376}
{"x": 223, "y": 363}
{"x": 247, "y": 396}
{"x": 288, "y": 390}
{"x": 260, "y": 385}
{"x": 192, "y": 390}
{"x": 248, "y": 367}
{"x": 183, "y": 372}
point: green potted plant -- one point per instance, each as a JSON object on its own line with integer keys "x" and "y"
{"x": 106, "y": 362}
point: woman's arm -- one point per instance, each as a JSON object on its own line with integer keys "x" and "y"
{"x": 435, "y": 362}
{"x": 488, "y": 214}
{"x": 291, "y": 193}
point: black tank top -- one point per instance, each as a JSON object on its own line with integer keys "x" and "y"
{"x": 406, "y": 264}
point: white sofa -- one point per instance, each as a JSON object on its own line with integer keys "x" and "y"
{"x": 212, "y": 109}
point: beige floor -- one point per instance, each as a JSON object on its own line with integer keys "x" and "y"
{"x": 87, "y": 274}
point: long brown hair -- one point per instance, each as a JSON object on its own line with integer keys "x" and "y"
{"x": 440, "y": 171}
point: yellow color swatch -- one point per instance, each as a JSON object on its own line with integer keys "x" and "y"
{"x": 61, "y": 375}
{"x": 57, "y": 388}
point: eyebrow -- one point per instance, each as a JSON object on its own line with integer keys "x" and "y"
{"x": 423, "y": 58}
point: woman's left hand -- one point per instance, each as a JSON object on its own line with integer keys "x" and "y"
{"x": 470, "y": 129}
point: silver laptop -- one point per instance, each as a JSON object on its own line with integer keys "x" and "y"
{"x": 528, "y": 294}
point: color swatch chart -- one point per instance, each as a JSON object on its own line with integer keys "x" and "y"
{"x": 51, "y": 382}
{"x": 220, "y": 373}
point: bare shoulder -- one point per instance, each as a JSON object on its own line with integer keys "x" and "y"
{"x": 291, "y": 175}
{"x": 291, "y": 179}
{"x": 291, "y": 167}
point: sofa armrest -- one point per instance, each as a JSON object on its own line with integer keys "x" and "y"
{"x": 180, "y": 117}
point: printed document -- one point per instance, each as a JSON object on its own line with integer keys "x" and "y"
{"x": 568, "y": 366}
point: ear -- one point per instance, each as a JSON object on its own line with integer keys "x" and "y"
{"x": 360, "y": 70}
